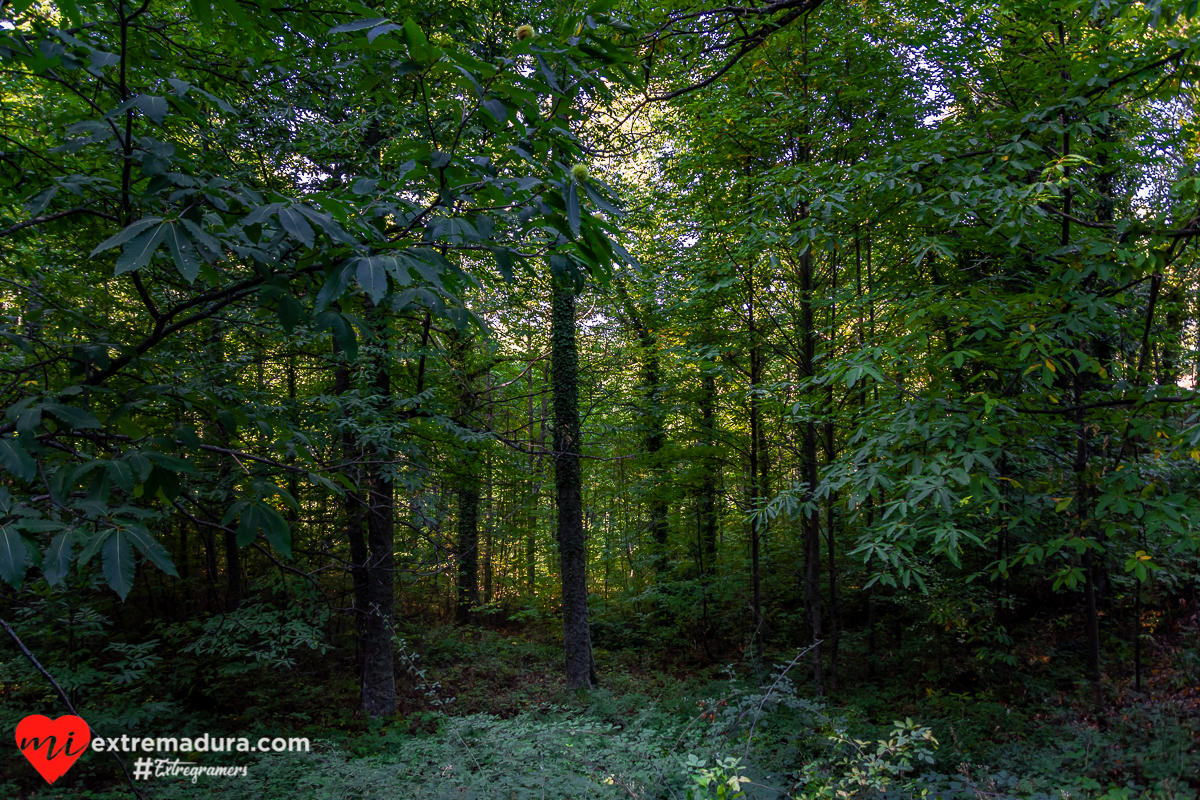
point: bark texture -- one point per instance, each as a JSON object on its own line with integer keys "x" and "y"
{"x": 709, "y": 476}
{"x": 811, "y": 523}
{"x": 353, "y": 511}
{"x": 468, "y": 549}
{"x": 378, "y": 668}
{"x": 572, "y": 540}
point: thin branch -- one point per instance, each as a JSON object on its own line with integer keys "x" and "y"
{"x": 763, "y": 702}
{"x": 1105, "y": 404}
{"x": 51, "y": 217}
{"x": 66, "y": 700}
{"x": 1132, "y": 73}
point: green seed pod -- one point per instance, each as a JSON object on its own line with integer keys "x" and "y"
{"x": 579, "y": 172}
{"x": 526, "y": 32}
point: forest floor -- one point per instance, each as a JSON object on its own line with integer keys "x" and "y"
{"x": 484, "y": 713}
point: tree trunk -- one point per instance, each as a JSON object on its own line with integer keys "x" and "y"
{"x": 810, "y": 520}
{"x": 1137, "y": 636}
{"x": 467, "y": 489}
{"x": 831, "y": 500}
{"x": 831, "y": 520}
{"x": 1082, "y": 498}
{"x": 233, "y": 560}
{"x": 489, "y": 528}
{"x": 468, "y": 549}
{"x": 655, "y": 440}
{"x": 536, "y": 443}
{"x": 871, "y": 631}
{"x": 572, "y": 542}
{"x": 708, "y": 479}
{"x": 210, "y": 569}
{"x": 1092, "y": 621}
{"x": 233, "y": 572}
{"x": 293, "y": 479}
{"x": 378, "y": 670}
{"x": 352, "y": 511}
{"x": 754, "y": 489}
{"x": 655, "y": 436}
{"x": 183, "y": 560}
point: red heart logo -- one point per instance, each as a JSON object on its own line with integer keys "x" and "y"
{"x": 53, "y": 745}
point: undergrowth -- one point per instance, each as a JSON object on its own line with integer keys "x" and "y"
{"x": 485, "y": 714}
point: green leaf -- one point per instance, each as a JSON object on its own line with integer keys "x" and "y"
{"x": 358, "y": 25}
{"x": 261, "y": 213}
{"x": 325, "y": 222}
{"x": 14, "y": 459}
{"x": 427, "y": 263}
{"x": 79, "y": 472}
{"x": 402, "y": 300}
{"x": 296, "y": 226}
{"x": 57, "y": 561}
{"x": 418, "y": 45}
{"x": 73, "y": 418}
{"x": 504, "y": 263}
{"x": 278, "y": 533}
{"x": 154, "y": 107}
{"x": 233, "y": 511}
{"x": 380, "y": 30}
{"x": 14, "y": 559}
{"x": 624, "y": 254}
{"x": 118, "y": 564}
{"x": 344, "y": 336}
{"x": 260, "y": 518}
{"x": 496, "y": 109}
{"x": 182, "y": 251}
{"x": 70, "y": 10}
{"x": 321, "y": 480}
{"x": 397, "y": 267}
{"x": 202, "y": 10}
{"x": 250, "y": 525}
{"x": 290, "y": 312}
{"x": 210, "y": 247}
{"x": 130, "y": 428}
{"x": 173, "y": 463}
{"x": 335, "y": 286}
{"x": 162, "y": 480}
{"x": 547, "y": 73}
{"x": 93, "y": 545}
{"x": 372, "y": 277}
{"x": 572, "y": 197}
{"x": 40, "y": 201}
{"x": 125, "y": 235}
{"x": 120, "y": 473}
{"x": 138, "y": 252}
{"x": 600, "y": 202}
{"x": 151, "y": 549}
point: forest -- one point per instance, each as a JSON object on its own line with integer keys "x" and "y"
{"x": 574, "y": 399}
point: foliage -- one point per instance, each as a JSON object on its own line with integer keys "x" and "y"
{"x": 887, "y": 349}
{"x": 205, "y": 241}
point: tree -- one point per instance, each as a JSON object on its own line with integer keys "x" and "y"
{"x": 220, "y": 208}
